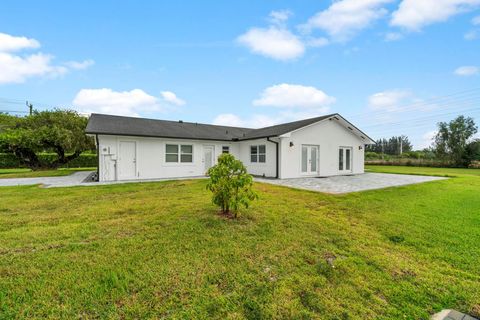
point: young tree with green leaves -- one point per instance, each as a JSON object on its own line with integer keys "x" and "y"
{"x": 452, "y": 139}
{"x": 58, "y": 131}
{"x": 230, "y": 184}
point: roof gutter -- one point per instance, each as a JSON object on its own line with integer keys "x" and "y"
{"x": 277, "y": 158}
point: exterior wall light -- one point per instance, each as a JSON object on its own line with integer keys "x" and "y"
{"x": 360, "y": 147}
{"x": 291, "y": 143}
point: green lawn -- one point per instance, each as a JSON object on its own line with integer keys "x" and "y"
{"x": 446, "y": 172}
{"x": 160, "y": 250}
{"x": 28, "y": 173}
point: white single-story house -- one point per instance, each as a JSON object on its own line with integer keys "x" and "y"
{"x": 136, "y": 148}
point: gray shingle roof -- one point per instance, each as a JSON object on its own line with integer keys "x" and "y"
{"x": 283, "y": 128}
{"x": 128, "y": 126}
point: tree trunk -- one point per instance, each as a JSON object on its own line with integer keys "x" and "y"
{"x": 28, "y": 157}
{"x": 62, "y": 159}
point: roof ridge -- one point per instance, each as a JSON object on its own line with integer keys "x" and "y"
{"x": 171, "y": 121}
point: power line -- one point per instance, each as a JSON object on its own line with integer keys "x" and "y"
{"x": 14, "y": 111}
{"x": 466, "y": 95}
{"x": 427, "y": 118}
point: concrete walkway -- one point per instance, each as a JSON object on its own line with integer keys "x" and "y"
{"x": 76, "y": 179}
{"x": 354, "y": 183}
{"x": 64, "y": 181}
{"x": 449, "y": 314}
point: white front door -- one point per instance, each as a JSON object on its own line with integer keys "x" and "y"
{"x": 127, "y": 160}
{"x": 208, "y": 157}
{"x": 309, "y": 160}
{"x": 345, "y": 159}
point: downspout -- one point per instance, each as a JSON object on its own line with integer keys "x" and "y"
{"x": 277, "y": 158}
{"x": 98, "y": 157}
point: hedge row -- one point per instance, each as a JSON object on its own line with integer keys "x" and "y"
{"x": 410, "y": 162}
{"x": 8, "y": 160}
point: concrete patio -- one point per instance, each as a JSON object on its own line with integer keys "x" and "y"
{"x": 338, "y": 184}
{"x": 353, "y": 183}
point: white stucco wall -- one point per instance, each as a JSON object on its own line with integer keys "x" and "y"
{"x": 267, "y": 169}
{"x": 150, "y": 157}
{"x": 328, "y": 136}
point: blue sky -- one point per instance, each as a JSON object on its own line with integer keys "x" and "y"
{"x": 391, "y": 67}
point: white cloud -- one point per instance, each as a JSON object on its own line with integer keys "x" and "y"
{"x": 279, "y": 17}
{"x": 471, "y": 35}
{"x": 126, "y": 103}
{"x": 172, "y": 98}
{"x": 393, "y": 36}
{"x": 344, "y": 18}
{"x": 17, "y": 68}
{"x": 466, "y": 71}
{"x": 476, "y": 21}
{"x": 273, "y": 42}
{"x": 80, "y": 65}
{"x": 10, "y": 43}
{"x": 416, "y": 14}
{"x": 255, "y": 121}
{"x": 389, "y": 100}
{"x": 293, "y": 96}
{"x": 295, "y": 101}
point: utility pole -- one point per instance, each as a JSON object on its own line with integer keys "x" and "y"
{"x": 383, "y": 151}
{"x": 401, "y": 144}
{"x": 30, "y": 107}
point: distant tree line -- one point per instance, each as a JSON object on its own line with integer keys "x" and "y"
{"x": 453, "y": 145}
{"x": 392, "y": 146}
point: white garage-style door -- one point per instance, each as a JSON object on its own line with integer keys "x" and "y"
{"x": 127, "y": 160}
{"x": 309, "y": 160}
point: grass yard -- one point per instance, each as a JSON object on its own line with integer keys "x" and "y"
{"x": 426, "y": 171}
{"x": 28, "y": 173}
{"x": 160, "y": 250}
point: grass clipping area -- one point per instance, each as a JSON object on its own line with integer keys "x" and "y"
{"x": 161, "y": 250}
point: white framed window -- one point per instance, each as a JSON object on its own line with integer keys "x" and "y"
{"x": 258, "y": 154}
{"x": 225, "y": 149}
{"x": 175, "y": 153}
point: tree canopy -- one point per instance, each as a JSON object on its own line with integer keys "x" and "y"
{"x": 58, "y": 131}
{"x": 453, "y": 140}
{"x": 230, "y": 184}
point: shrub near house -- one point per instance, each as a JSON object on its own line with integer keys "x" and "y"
{"x": 231, "y": 184}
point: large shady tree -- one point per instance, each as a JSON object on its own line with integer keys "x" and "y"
{"x": 58, "y": 131}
